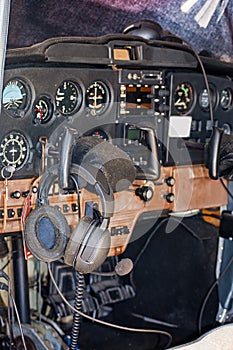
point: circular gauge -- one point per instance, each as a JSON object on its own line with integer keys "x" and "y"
{"x": 226, "y": 98}
{"x": 15, "y": 98}
{"x": 97, "y": 98}
{"x": 42, "y": 110}
{"x": 14, "y": 150}
{"x": 183, "y": 97}
{"x": 68, "y": 97}
{"x": 204, "y": 100}
{"x": 99, "y": 133}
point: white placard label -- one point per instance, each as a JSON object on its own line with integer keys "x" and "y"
{"x": 179, "y": 126}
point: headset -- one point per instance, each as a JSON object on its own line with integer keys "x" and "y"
{"x": 48, "y": 235}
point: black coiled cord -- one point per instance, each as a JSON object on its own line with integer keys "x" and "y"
{"x": 78, "y": 306}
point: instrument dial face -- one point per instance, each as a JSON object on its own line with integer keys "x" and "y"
{"x": 68, "y": 97}
{"x": 204, "y": 99}
{"x": 15, "y": 98}
{"x": 183, "y": 97}
{"x": 42, "y": 110}
{"x": 14, "y": 150}
{"x": 97, "y": 98}
{"x": 226, "y": 98}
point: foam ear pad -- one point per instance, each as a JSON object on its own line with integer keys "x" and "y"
{"x": 88, "y": 246}
{"x": 46, "y": 232}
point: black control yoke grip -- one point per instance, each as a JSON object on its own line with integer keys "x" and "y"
{"x": 66, "y": 150}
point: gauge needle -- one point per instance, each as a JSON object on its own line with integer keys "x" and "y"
{"x": 39, "y": 112}
{"x": 152, "y": 320}
{"x": 179, "y": 103}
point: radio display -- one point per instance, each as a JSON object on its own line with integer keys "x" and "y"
{"x": 136, "y": 99}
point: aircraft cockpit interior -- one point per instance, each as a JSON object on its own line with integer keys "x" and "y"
{"x": 116, "y": 169}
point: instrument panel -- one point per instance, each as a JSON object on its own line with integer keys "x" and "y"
{"x": 125, "y": 107}
{"x": 157, "y": 113}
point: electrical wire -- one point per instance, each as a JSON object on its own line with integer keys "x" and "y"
{"x": 18, "y": 320}
{"x": 104, "y": 323}
{"x": 205, "y": 80}
{"x": 4, "y": 275}
{"x": 144, "y": 248}
{"x": 152, "y": 235}
{"x": 210, "y": 292}
{"x": 192, "y": 232}
{"x": 10, "y": 296}
{"x": 6, "y": 264}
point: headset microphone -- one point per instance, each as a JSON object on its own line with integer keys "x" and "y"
{"x": 123, "y": 267}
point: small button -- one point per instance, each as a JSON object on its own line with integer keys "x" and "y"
{"x": 170, "y": 197}
{"x": 15, "y": 195}
{"x": 10, "y": 213}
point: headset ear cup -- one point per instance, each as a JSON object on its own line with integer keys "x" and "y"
{"x": 46, "y": 232}
{"x": 88, "y": 246}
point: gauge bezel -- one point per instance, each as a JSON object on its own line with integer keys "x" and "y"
{"x": 22, "y": 111}
{"x": 48, "y": 100}
{"x": 230, "y": 102}
{"x": 192, "y": 98}
{"x": 213, "y": 96}
{"x": 79, "y": 98}
{"x": 27, "y": 143}
{"x": 98, "y": 112}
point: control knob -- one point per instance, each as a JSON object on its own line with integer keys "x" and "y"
{"x": 170, "y": 181}
{"x": 170, "y": 197}
{"x": 145, "y": 193}
{"x": 15, "y": 194}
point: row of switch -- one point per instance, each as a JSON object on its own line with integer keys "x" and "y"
{"x": 11, "y": 213}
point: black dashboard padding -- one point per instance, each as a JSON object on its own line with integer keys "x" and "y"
{"x": 115, "y": 164}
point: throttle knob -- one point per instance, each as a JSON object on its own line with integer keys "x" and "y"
{"x": 145, "y": 193}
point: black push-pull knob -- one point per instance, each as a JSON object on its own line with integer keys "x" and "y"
{"x": 145, "y": 193}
